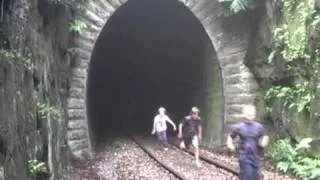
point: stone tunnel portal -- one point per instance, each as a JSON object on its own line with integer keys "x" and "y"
{"x": 151, "y": 54}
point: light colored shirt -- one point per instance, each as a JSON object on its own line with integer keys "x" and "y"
{"x": 159, "y": 122}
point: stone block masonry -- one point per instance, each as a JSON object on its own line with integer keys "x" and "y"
{"x": 18, "y": 123}
{"x": 32, "y": 30}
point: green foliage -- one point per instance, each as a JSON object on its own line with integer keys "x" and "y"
{"x": 315, "y": 24}
{"x": 291, "y": 43}
{"x": 291, "y": 34}
{"x": 294, "y": 159}
{"x": 48, "y": 112}
{"x": 36, "y": 167}
{"x": 7, "y": 54}
{"x": 78, "y": 26}
{"x": 235, "y": 6}
{"x": 298, "y": 96}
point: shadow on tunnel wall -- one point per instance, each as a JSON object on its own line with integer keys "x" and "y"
{"x": 151, "y": 54}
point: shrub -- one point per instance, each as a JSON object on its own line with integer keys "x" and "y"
{"x": 48, "y": 112}
{"x": 294, "y": 158}
{"x": 36, "y": 167}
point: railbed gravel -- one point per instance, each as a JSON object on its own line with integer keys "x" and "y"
{"x": 122, "y": 159}
{"x": 184, "y": 163}
{"x": 230, "y": 158}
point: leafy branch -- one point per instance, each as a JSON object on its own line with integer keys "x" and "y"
{"x": 36, "y": 167}
{"x": 298, "y": 96}
{"x": 235, "y": 6}
{"x": 8, "y": 54}
{"x": 291, "y": 44}
{"x": 48, "y": 112}
{"x": 78, "y": 26}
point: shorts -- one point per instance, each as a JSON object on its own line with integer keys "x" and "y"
{"x": 186, "y": 141}
{"x": 162, "y": 136}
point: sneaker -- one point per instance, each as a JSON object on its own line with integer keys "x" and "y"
{"x": 198, "y": 164}
{"x": 182, "y": 145}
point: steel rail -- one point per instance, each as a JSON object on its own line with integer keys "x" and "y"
{"x": 153, "y": 156}
{"x": 218, "y": 163}
{"x": 215, "y": 162}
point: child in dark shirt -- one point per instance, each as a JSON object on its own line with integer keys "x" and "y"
{"x": 190, "y": 130}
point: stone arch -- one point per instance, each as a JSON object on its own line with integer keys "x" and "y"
{"x": 231, "y": 44}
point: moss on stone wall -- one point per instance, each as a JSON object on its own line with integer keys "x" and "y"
{"x": 214, "y": 104}
{"x": 45, "y": 41}
{"x": 18, "y": 123}
{"x": 288, "y": 62}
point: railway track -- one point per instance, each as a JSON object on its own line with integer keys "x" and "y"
{"x": 152, "y": 155}
{"x": 181, "y": 163}
{"x": 141, "y": 157}
{"x": 215, "y": 162}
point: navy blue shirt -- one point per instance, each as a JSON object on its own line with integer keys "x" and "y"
{"x": 249, "y": 134}
{"x": 190, "y": 126}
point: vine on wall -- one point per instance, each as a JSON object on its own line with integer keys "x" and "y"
{"x": 292, "y": 33}
{"x": 291, "y": 43}
{"x": 296, "y": 96}
{"x": 10, "y": 54}
{"x": 48, "y": 112}
{"x": 299, "y": 21}
{"x": 76, "y": 25}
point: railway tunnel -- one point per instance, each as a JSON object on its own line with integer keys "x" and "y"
{"x": 151, "y": 54}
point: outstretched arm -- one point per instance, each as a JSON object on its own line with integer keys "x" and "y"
{"x": 180, "y": 130}
{"x": 234, "y": 132}
{"x": 200, "y": 131}
{"x": 263, "y": 138}
{"x": 172, "y": 123}
{"x": 154, "y": 126}
{"x": 230, "y": 143}
{"x": 264, "y": 141}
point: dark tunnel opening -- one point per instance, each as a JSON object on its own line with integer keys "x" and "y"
{"x": 149, "y": 54}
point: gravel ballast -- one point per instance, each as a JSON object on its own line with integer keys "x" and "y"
{"x": 122, "y": 159}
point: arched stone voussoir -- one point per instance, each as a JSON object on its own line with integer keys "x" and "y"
{"x": 189, "y": 3}
{"x": 211, "y": 18}
{"x": 95, "y": 7}
{"x": 94, "y": 18}
{"x": 123, "y": 1}
{"x": 115, "y": 3}
{"x": 105, "y": 5}
{"x": 203, "y": 7}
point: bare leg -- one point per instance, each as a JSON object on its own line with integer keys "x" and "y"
{"x": 196, "y": 153}
{"x": 195, "y": 143}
